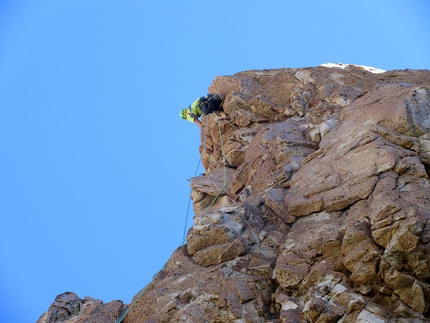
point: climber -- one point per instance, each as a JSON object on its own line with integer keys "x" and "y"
{"x": 203, "y": 105}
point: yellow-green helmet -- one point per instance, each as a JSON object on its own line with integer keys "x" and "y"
{"x": 184, "y": 113}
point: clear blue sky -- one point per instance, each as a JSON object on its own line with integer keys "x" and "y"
{"x": 94, "y": 159}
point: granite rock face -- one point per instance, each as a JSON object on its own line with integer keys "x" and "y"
{"x": 69, "y": 308}
{"x": 314, "y": 207}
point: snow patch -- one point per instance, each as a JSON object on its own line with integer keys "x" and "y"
{"x": 345, "y": 66}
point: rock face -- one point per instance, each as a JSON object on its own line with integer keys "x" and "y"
{"x": 314, "y": 207}
{"x": 68, "y": 307}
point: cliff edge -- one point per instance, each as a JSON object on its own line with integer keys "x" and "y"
{"x": 314, "y": 207}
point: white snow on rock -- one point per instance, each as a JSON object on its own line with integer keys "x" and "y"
{"x": 345, "y": 66}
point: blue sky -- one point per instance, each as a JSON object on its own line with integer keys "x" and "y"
{"x": 94, "y": 159}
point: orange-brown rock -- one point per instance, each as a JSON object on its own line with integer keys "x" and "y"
{"x": 314, "y": 207}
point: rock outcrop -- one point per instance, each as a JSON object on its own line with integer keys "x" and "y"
{"x": 314, "y": 207}
{"x": 68, "y": 307}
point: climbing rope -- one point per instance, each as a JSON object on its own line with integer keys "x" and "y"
{"x": 188, "y": 207}
{"x": 195, "y": 174}
{"x": 186, "y": 218}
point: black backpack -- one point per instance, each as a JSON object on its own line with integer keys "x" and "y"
{"x": 208, "y": 97}
{"x": 210, "y": 103}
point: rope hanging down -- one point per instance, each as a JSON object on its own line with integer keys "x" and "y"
{"x": 195, "y": 174}
{"x": 186, "y": 218}
{"x": 188, "y": 208}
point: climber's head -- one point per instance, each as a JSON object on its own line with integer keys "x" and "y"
{"x": 184, "y": 113}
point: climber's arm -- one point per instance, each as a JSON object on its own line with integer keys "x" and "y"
{"x": 198, "y": 122}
